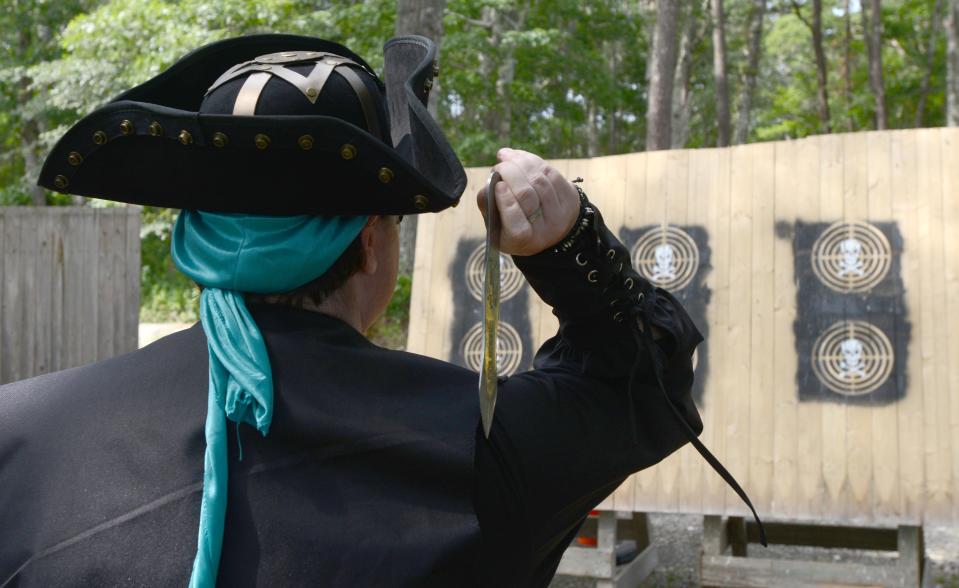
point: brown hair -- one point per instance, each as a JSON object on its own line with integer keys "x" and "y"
{"x": 315, "y": 292}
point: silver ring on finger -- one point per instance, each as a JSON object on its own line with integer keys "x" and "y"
{"x": 538, "y": 213}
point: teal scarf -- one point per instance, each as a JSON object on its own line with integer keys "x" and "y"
{"x": 229, "y": 254}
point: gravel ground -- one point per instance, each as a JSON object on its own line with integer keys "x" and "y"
{"x": 678, "y": 539}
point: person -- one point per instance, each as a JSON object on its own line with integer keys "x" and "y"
{"x": 304, "y": 453}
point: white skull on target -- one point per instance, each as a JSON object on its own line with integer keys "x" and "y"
{"x": 852, "y": 365}
{"x": 665, "y": 267}
{"x": 850, "y": 261}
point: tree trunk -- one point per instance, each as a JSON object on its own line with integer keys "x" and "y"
{"x": 930, "y": 60}
{"x": 847, "y": 65}
{"x": 822, "y": 91}
{"x": 952, "y": 67}
{"x": 419, "y": 17}
{"x": 873, "y": 33}
{"x": 753, "y": 51}
{"x": 662, "y": 69}
{"x": 681, "y": 89}
{"x": 719, "y": 74}
{"x": 29, "y": 134}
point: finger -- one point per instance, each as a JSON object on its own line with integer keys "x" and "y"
{"x": 536, "y": 170}
{"x": 517, "y": 180}
{"x": 481, "y": 201}
{"x": 511, "y": 213}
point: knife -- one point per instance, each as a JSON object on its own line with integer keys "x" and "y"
{"x": 489, "y": 376}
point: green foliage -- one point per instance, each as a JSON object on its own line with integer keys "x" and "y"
{"x": 166, "y": 294}
{"x": 563, "y": 78}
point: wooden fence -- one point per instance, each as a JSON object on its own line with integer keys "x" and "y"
{"x": 824, "y": 273}
{"x": 70, "y": 290}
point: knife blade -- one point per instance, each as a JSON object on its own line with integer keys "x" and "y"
{"x": 489, "y": 376}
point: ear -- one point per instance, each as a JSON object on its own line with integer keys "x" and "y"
{"x": 368, "y": 241}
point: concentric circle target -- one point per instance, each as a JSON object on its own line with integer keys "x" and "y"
{"x": 852, "y": 358}
{"x": 666, "y": 256}
{"x": 851, "y": 256}
{"x": 510, "y": 278}
{"x": 508, "y": 344}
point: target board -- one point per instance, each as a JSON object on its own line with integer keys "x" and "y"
{"x": 824, "y": 274}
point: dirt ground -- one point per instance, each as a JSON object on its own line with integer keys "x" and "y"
{"x": 678, "y": 540}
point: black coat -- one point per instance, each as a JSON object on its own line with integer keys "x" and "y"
{"x": 375, "y": 471}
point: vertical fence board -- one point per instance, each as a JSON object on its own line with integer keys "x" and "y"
{"x": 833, "y": 415}
{"x": 64, "y": 270}
{"x": 761, "y": 394}
{"x": 884, "y": 440}
{"x": 950, "y": 187}
{"x": 858, "y": 417}
{"x": 905, "y": 206}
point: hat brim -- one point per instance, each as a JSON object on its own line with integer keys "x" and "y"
{"x": 151, "y": 147}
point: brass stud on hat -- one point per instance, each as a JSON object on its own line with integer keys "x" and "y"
{"x": 185, "y": 137}
{"x": 385, "y": 175}
{"x": 61, "y": 182}
{"x": 155, "y": 129}
{"x": 305, "y": 142}
{"x": 220, "y": 140}
{"x": 347, "y": 151}
{"x": 421, "y": 202}
{"x": 261, "y": 141}
{"x": 126, "y": 127}
{"x": 99, "y": 137}
{"x": 428, "y": 85}
{"x": 74, "y": 158}
{"x": 436, "y": 68}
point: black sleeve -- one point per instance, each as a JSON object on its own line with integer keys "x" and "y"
{"x": 591, "y": 413}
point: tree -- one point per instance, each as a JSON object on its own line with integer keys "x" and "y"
{"x": 751, "y": 73}
{"x": 873, "y": 33}
{"x": 682, "y": 89}
{"x": 719, "y": 73}
{"x": 952, "y": 61}
{"x": 662, "y": 68}
{"x": 932, "y": 37}
{"x": 815, "y": 28}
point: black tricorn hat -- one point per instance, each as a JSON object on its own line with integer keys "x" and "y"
{"x": 270, "y": 125}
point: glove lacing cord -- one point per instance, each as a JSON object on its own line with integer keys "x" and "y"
{"x": 643, "y": 335}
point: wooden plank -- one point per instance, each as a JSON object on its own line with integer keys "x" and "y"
{"x": 739, "y": 360}
{"x": 106, "y": 285}
{"x": 654, "y": 213}
{"x": 805, "y": 194}
{"x": 828, "y": 536}
{"x": 949, "y": 141}
{"x": 702, "y": 175}
{"x": 762, "y": 327}
{"x": 936, "y": 412}
{"x": 718, "y": 281}
{"x": 633, "y": 207}
{"x": 133, "y": 278}
{"x": 58, "y": 349}
{"x": 89, "y": 343}
{"x": 831, "y": 204}
{"x": 40, "y": 311}
{"x": 788, "y": 193}
{"x": 28, "y": 295}
{"x": 884, "y": 441}
{"x": 422, "y": 283}
{"x": 858, "y": 417}
{"x": 605, "y": 184}
{"x": 905, "y": 169}
{"x": 748, "y": 572}
{"x": 676, "y": 206}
